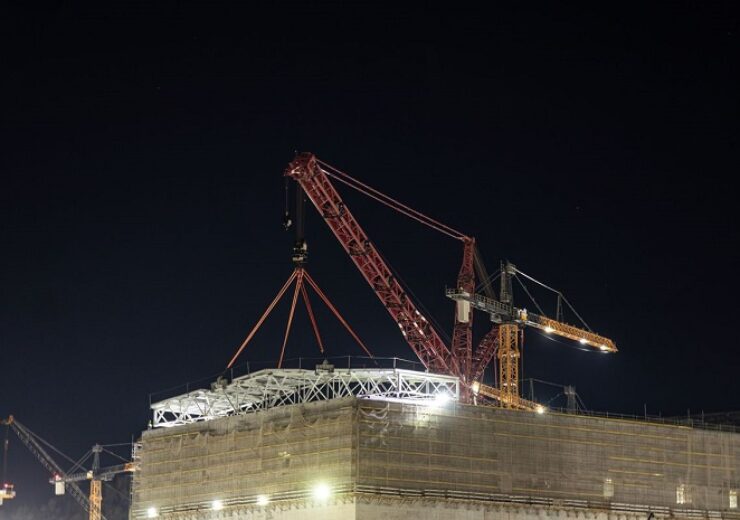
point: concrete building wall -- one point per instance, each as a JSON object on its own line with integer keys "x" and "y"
{"x": 417, "y": 462}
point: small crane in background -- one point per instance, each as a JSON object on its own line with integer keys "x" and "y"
{"x": 61, "y": 479}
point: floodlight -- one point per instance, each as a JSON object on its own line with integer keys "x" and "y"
{"x": 442, "y": 398}
{"x": 321, "y": 492}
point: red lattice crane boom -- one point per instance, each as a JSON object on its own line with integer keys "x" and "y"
{"x": 426, "y": 343}
{"x": 462, "y": 334}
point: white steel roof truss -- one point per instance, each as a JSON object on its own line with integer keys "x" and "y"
{"x": 279, "y": 387}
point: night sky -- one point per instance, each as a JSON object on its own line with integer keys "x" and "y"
{"x": 142, "y": 157}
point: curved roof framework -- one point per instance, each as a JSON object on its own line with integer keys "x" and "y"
{"x": 279, "y": 387}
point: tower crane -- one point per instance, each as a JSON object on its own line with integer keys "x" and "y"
{"x": 459, "y": 358}
{"x": 506, "y": 336}
{"x": 62, "y": 480}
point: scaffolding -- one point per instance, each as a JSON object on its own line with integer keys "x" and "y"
{"x": 362, "y": 445}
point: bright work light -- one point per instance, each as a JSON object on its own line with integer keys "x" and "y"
{"x": 442, "y": 398}
{"x": 321, "y": 492}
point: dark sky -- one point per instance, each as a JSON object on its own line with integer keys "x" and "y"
{"x": 142, "y": 157}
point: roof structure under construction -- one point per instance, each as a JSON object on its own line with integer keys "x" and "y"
{"x": 277, "y": 387}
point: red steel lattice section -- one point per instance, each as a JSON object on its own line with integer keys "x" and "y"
{"x": 419, "y": 334}
{"x": 462, "y": 334}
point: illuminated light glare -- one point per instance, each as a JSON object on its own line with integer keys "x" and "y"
{"x": 217, "y": 505}
{"x": 262, "y": 500}
{"x": 583, "y": 341}
{"x": 476, "y": 387}
{"x": 603, "y": 347}
{"x": 441, "y": 399}
{"x": 549, "y": 330}
{"x": 540, "y": 409}
{"x": 151, "y": 512}
{"x": 321, "y": 492}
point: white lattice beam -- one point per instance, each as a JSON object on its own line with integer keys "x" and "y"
{"x": 278, "y": 387}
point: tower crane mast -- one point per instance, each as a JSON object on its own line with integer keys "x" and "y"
{"x": 96, "y": 476}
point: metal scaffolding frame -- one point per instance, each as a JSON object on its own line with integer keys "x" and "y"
{"x": 278, "y": 387}
{"x": 485, "y": 455}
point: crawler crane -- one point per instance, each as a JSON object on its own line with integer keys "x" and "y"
{"x": 459, "y": 358}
